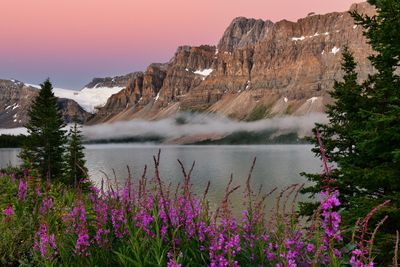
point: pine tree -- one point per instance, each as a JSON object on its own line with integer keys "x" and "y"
{"x": 377, "y": 167}
{"x": 338, "y": 136}
{"x": 366, "y": 144}
{"x": 77, "y": 171}
{"x": 44, "y": 149}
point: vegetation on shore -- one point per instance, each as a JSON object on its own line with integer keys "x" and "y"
{"x": 147, "y": 223}
{"x": 12, "y": 141}
{"x": 48, "y": 150}
{"x": 256, "y": 138}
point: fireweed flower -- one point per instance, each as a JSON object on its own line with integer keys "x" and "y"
{"x": 310, "y": 248}
{"x": 172, "y": 262}
{"x": 225, "y": 244}
{"x": 100, "y": 207}
{"x": 9, "y": 211}
{"x": 119, "y": 221}
{"x": 22, "y": 189}
{"x": 45, "y": 243}
{"x": 47, "y": 205}
{"x": 355, "y": 260}
{"x": 331, "y": 219}
{"x": 37, "y": 190}
{"x": 143, "y": 218}
{"x": 76, "y": 222}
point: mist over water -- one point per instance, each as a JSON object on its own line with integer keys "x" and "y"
{"x": 189, "y": 124}
{"x": 186, "y": 124}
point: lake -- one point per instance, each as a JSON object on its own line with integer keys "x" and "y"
{"x": 276, "y": 166}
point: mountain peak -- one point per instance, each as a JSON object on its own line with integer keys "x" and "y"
{"x": 243, "y": 32}
{"x": 116, "y": 81}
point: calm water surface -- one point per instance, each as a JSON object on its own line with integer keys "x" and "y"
{"x": 277, "y": 165}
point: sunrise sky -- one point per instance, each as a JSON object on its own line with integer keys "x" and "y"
{"x": 72, "y": 41}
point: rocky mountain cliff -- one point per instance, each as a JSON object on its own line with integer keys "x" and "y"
{"x": 16, "y": 98}
{"x": 117, "y": 81}
{"x": 259, "y": 69}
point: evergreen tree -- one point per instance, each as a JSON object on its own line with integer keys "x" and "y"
{"x": 77, "y": 171}
{"x": 44, "y": 148}
{"x": 338, "y": 135}
{"x": 363, "y": 133}
{"x": 377, "y": 167}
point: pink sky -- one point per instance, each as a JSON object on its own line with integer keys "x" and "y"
{"x": 72, "y": 41}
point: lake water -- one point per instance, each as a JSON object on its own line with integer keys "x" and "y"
{"x": 276, "y": 166}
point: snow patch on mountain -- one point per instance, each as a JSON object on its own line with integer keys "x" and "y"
{"x": 298, "y": 38}
{"x": 335, "y": 50}
{"x": 312, "y": 99}
{"x": 88, "y": 98}
{"x": 204, "y": 72}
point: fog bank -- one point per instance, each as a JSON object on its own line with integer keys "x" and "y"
{"x": 186, "y": 124}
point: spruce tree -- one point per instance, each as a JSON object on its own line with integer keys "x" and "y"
{"x": 45, "y": 146}
{"x": 366, "y": 147}
{"x": 338, "y": 136}
{"x": 377, "y": 167}
{"x": 77, "y": 171}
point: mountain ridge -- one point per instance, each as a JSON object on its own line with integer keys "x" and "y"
{"x": 286, "y": 68}
{"x": 258, "y": 69}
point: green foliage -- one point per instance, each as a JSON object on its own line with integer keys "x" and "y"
{"x": 251, "y": 138}
{"x": 363, "y": 134}
{"x": 7, "y": 141}
{"x": 44, "y": 149}
{"x": 134, "y": 139}
{"x": 257, "y": 113}
{"x": 77, "y": 172}
{"x": 197, "y": 109}
{"x": 338, "y": 136}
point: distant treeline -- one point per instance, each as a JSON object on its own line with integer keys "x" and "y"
{"x": 7, "y": 140}
{"x": 134, "y": 139}
{"x": 242, "y": 137}
{"x": 236, "y": 138}
{"x": 256, "y": 138}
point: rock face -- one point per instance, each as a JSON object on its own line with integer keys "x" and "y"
{"x": 70, "y": 109}
{"x": 16, "y": 98}
{"x": 117, "y": 81}
{"x": 259, "y": 69}
{"x": 244, "y": 32}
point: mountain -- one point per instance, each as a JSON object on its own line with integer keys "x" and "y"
{"x": 110, "y": 82}
{"x": 258, "y": 69}
{"x": 16, "y": 98}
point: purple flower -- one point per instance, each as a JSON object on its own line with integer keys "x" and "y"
{"x": 119, "y": 221}
{"x": 331, "y": 219}
{"x": 310, "y": 247}
{"x": 173, "y": 262}
{"x": 37, "y": 190}
{"x": 100, "y": 207}
{"x": 76, "y": 221}
{"x": 22, "y": 189}
{"x": 47, "y": 204}
{"x": 9, "y": 211}
{"x": 82, "y": 243}
{"x": 45, "y": 243}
